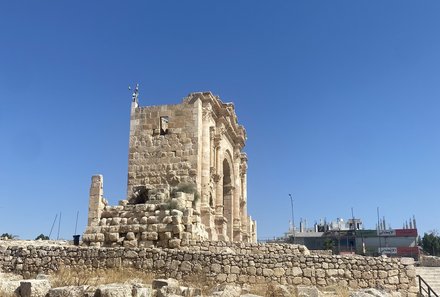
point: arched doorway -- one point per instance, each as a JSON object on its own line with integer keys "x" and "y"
{"x": 227, "y": 196}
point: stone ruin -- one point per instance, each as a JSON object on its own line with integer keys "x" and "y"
{"x": 187, "y": 178}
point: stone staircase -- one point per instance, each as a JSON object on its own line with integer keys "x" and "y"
{"x": 431, "y": 275}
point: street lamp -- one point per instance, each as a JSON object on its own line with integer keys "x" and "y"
{"x": 293, "y": 216}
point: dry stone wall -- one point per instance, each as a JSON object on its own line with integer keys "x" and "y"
{"x": 223, "y": 263}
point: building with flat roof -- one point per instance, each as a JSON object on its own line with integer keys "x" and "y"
{"x": 350, "y": 237}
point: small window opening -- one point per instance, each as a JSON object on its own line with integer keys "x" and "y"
{"x": 164, "y": 125}
{"x": 140, "y": 195}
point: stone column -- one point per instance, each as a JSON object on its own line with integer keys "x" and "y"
{"x": 243, "y": 202}
{"x": 206, "y": 158}
{"x": 236, "y": 197}
{"x": 96, "y": 200}
{"x": 218, "y": 178}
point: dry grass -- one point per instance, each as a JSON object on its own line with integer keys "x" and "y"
{"x": 4, "y": 294}
{"x": 263, "y": 290}
{"x": 80, "y": 277}
{"x": 199, "y": 281}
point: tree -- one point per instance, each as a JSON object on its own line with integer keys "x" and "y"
{"x": 328, "y": 244}
{"x": 42, "y": 237}
{"x": 8, "y": 236}
{"x": 431, "y": 243}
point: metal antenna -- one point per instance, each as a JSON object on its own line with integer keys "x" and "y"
{"x": 135, "y": 94}
{"x": 59, "y": 226}
{"x": 53, "y": 224}
{"x": 76, "y": 223}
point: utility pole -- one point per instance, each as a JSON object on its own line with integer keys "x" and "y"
{"x": 378, "y": 231}
{"x": 293, "y": 216}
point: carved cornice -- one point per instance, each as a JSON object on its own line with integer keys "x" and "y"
{"x": 222, "y": 113}
{"x": 207, "y": 112}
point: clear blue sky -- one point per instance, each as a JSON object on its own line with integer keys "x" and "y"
{"x": 340, "y": 100}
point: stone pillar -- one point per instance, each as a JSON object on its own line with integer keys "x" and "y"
{"x": 236, "y": 197}
{"x": 220, "y": 222}
{"x": 218, "y": 178}
{"x": 134, "y": 123}
{"x": 199, "y": 131}
{"x": 254, "y": 230}
{"x": 206, "y": 158}
{"x": 243, "y": 202}
{"x": 96, "y": 200}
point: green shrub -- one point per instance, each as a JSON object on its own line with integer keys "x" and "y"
{"x": 42, "y": 237}
{"x": 9, "y": 236}
{"x": 188, "y": 188}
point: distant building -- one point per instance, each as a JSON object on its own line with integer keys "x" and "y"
{"x": 349, "y": 237}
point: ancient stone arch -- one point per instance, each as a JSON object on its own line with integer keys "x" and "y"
{"x": 196, "y": 144}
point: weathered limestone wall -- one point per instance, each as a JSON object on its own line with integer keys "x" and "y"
{"x": 241, "y": 263}
{"x": 160, "y": 159}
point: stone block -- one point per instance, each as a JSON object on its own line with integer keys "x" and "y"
{"x": 34, "y": 288}
{"x": 165, "y": 235}
{"x": 393, "y": 280}
{"x": 130, "y": 243}
{"x": 152, "y": 228}
{"x": 186, "y": 266}
{"x": 130, "y": 236}
{"x": 112, "y": 237}
{"x": 267, "y": 272}
{"x": 174, "y": 243}
{"x": 164, "y": 228}
{"x": 146, "y": 244}
{"x": 176, "y": 220}
{"x": 307, "y": 291}
{"x": 296, "y": 271}
{"x": 177, "y": 229}
{"x": 114, "y": 290}
{"x": 10, "y": 287}
{"x": 150, "y": 236}
{"x": 141, "y": 291}
{"x": 69, "y": 291}
{"x": 160, "y": 283}
{"x": 152, "y": 220}
{"x": 167, "y": 220}
{"x": 278, "y": 272}
{"x": 251, "y": 270}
